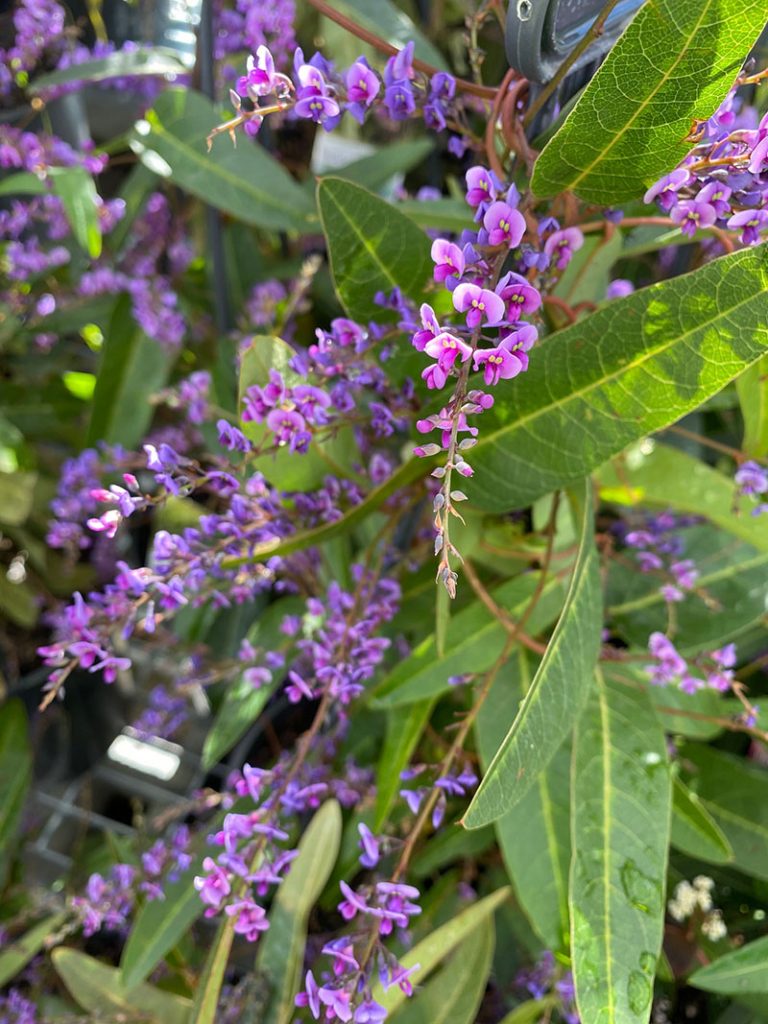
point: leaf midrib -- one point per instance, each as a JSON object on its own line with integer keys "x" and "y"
{"x": 328, "y": 191}
{"x": 543, "y": 410}
{"x": 603, "y": 154}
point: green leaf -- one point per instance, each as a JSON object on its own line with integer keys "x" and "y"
{"x": 752, "y": 388}
{"x": 633, "y": 367}
{"x": 560, "y": 688}
{"x": 240, "y": 708}
{"x": 97, "y": 988}
{"x": 735, "y": 793}
{"x": 23, "y": 183}
{"x": 18, "y": 952}
{"x": 17, "y": 492}
{"x": 384, "y": 18}
{"x": 404, "y": 729}
{"x": 535, "y": 835}
{"x": 454, "y": 995}
{"x": 374, "y": 171}
{"x": 18, "y": 602}
{"x": 15, "y": 777}
{"x": 621, "y": 799}
{"x": 674, "y": 64}
{"x": 587, "y": 276}
{"x": 437, "y": 945}
{"x": 475, "y": 641}
{"x": 76, "y": 189}
{"x": 439, "y": 214}
{"x": 734, "y": 581}
{"x": 132, "y": 368}
{"x": 531, "y": 1012}
{"x": 669, "y": 478}
{"x": 372, "y": 247}
{"x": 283, "y": 468}
{"x": 281, "y": 950}
{"x": 244, "y": 180}
{"x": 145, "y": 60}
{"x": 743, "y": 971}
{"x": 694, "y": 830}
{"x": 159, "y": 927}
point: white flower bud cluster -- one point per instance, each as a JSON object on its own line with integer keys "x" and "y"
{"x": 697, "y": 895}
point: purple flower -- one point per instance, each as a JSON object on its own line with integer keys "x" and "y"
{"x": 759, "y": 158}
{"x": 481, "y": 187}
{"x": 619, "y": 289}
{"x": 750, "y": 223}
{"x": 717, "y": 195}
{"x": 446, "y": 349}
{"x": 362, "y": 88}
{"x": 338, "y": 1002}
{"x": 434, "y": 377}
{"x": 213, "y": 887}
{"x": 499, "y": 363}
{"x": 370, "y": 1012}
{"x": 751, "y": 478}
{"x": 692, "y": 214}
{"x": 400, "y": 67}
{"x": 504, "y": 225}
{"x": 448, "y": 259}
{"x": 561, "y": 245}
{"x": 352, "y": 904}
{"x": 260, "y": 79}
{"x": 369, "y": 845}
{"x": 251, "y": 919}
{"x": 665, "y": 190}
{"x": 430, "y": 328}
{"x": 289, "y": 427}
{"x": 399, "y": 100}
{"x": 519, "y": 296}
{"x": 310, "y": 996}
{"x": 480, "y": 305}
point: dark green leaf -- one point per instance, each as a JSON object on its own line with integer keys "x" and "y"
{"x": 742, "y": 971}
{"x": 132, "y": 368}
{"x": 621, "y": 799}
{"x": 372, "y": 247}
{"x": 453, "y": 996}
{"x": 587, "y": 276}
{"x": 159, "y": 926}
{"x": 535, "y": 835}
{"x": 674, "y": 64}
{"x": 440, "y": 214}
{"x": 560, "y": 687}
{"x": 15, "y": 777}
{"x": 16, "y": 494}
{"x": 98, "y": 989}
{"x": 281, "y": 951}
{"x": 633, "y": 367}
{"x": 475, "y": 641}
{"x": 145, "y": 60}
{"x": 735, "y": 793}
{"x": 243, "y": 180}
{"x": 694, "y": 830}
{"x": 374, "y": 171}
{"x": 23, "y": 183}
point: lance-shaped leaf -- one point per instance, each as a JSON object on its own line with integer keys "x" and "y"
{"x": 404, "y": 729}
{"x": 560, "y": 688}
{"x": 243, "y": 180}
{"x": 535, "y": 835}
{"x": 431, "y": 951}
{"x": 385, "y": 19}
{"x": 633, "y": 367}
{"x": 735, "y": 792}
{"x": 454, "y": 994}
{"x": 673, "y": 65}
{"x": 18, "y": 952}
{"x": 75, "y": 188}
{"x": 694, "y": 830}
{"x": 620, "y": 801}
{"x": 15, "y": 776}
{"x": 281, "y": 951}
{"x": 98, "y": 989}
{"x": 150, "y": 61}
{"x": 741, "y": 972}
{"x": 372, "y": 247}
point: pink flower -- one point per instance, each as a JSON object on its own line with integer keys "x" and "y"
{"x": 520, "y": 296}
{"x": 561, "y": 245}
{"x": 448, "y": 259}
{"x": 499, "y": 364}
{"x": 504, "y": 225}
{"x": 446, "y": 349}
{"x": 430, "y": 328}
{"x": 479, "y": 304}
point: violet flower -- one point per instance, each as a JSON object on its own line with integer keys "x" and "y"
{"x": 480, "y": 305}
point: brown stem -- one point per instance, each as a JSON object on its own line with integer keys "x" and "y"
{"x": 484, "y": 91}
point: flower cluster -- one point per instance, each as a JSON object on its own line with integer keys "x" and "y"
{"x": 670, "y": 668}
{"x": 545, "y": 980}
{"x": 451, "y": 784}
{"x": 247, "y": 26}
{"x": 659, "y": 548}
{"x": 319, "y": 92}
{"x": 16, "y": 1009}
{"x": 38, "y": 36}
{"x": 110, "y": 902}
{"x": 723, "y": 182}
{"x": 695, "y": 899}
